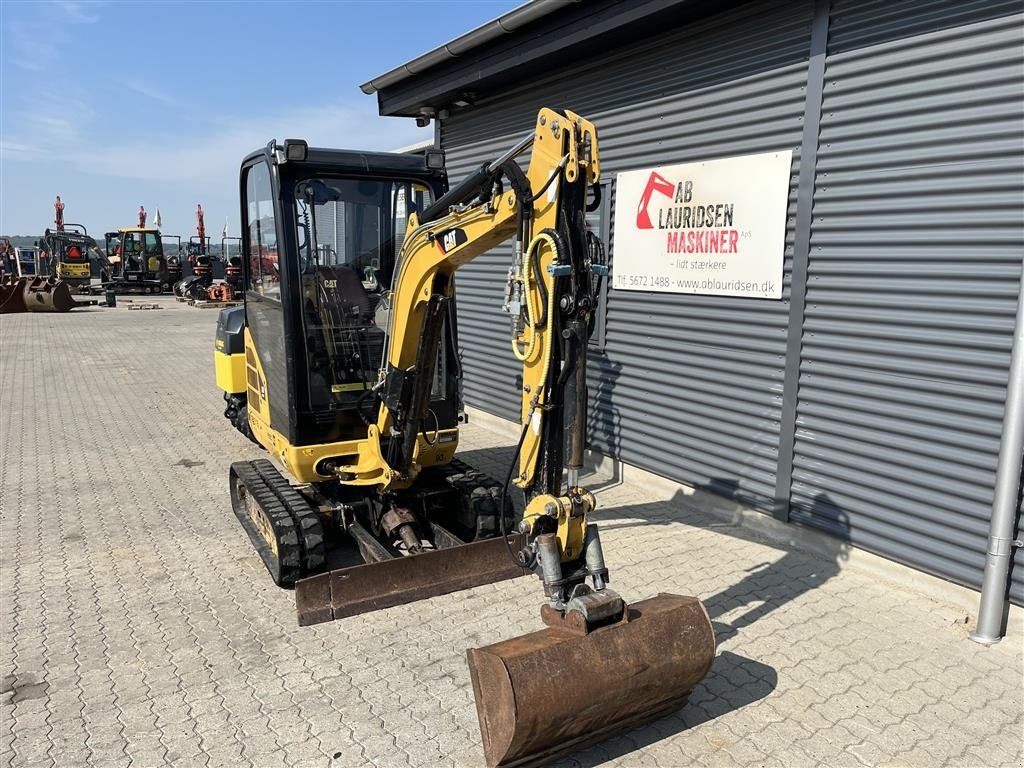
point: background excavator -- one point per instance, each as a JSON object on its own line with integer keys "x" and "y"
{"x": 343, "y": 364}
{"x": 41, "y": 279}
{"x": 206, "y": 268}
{"x": 70, "y": 251}
{"x": 136, "y": 260}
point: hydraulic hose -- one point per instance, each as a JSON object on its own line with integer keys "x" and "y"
{"x": 532, "y": 315}
{"x": 504, "y": 492}
{"x": 549, "y": 238}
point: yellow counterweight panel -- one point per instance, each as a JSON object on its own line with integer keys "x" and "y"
{"x": 230, "y": 371}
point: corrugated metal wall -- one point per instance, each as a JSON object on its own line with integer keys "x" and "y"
{"x": 686, "y": 386}
{"x": 330, "y": 225}
{"x": 915, "y": 253}
{"x": 916, "y": 247}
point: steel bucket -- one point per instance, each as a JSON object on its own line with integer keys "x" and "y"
{"x": 552, "y": 692}
{"x": 48, "y": 294}
{"x": 12, "y": 295}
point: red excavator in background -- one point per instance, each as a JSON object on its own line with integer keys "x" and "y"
{"x": 231, "y": 253}
{"x": 175, "y": 268}
{"x": 200, "y": 287}
{"x": 198, "y": 253}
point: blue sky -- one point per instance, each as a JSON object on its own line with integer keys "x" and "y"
{"x": 112, "y": 105}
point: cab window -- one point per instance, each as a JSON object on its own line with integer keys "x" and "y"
{"x": 151, "y": 244}
{"x": 356, "y": 223}
{"x": 261, "y": 227}
{"x": 348, "y": 232}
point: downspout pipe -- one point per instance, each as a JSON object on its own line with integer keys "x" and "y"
{"x": 1001, "y": 543}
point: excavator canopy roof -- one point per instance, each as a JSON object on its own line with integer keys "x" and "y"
{"x": 346, "y": 161}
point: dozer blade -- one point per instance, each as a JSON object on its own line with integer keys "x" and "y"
{"x": 552, "y": 692}
{"x": 363, "y": 588}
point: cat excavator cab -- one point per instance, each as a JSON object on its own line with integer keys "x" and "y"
{"x": 343, "y": 364}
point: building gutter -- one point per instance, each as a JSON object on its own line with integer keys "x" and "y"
{"x": 503, "y": 25}
{"x": 1001, "y": 543}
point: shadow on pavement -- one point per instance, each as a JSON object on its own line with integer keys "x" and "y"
{"x": 734, "y": 681}
{"x": 766, "y": 586}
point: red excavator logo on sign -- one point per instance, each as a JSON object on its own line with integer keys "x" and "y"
{"x": 655, "y": 183}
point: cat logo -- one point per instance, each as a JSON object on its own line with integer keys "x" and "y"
{"x": 453, "y": 238}
{"x": 330, "y": 283}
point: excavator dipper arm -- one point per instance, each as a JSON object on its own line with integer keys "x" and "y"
{"x": 551, "y": 297}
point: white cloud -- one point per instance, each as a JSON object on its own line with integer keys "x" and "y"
{"x": 15, "y": 149}
{"x": 149, "y": 91}
{"x": 210, "y": 157}
{"x": 46, "y": 124}
{"x": 75, "y": 13}
{"x": 31, "y": 49}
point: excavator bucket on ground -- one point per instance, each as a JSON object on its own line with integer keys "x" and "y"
{"x": 48, "y": 294}
{"x": 552, "y": 692}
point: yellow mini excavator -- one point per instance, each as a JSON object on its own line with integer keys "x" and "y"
{"x": 343, "y": 364}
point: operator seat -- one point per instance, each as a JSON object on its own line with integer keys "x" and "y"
{"x": 349, "y": 346}
{"x": 344, "y": 298}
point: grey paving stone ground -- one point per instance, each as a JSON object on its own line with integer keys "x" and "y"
{"x": 138, "y": 627}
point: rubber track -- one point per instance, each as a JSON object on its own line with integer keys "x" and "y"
{"x": 286, "y": 568}
{"x": 307, "y": 521}
{"x": 484, "y": 495}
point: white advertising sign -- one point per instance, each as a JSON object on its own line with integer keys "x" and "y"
{"x": 717, "y": 227}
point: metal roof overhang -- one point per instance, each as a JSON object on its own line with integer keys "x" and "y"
{"x": 521, "y": 44}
